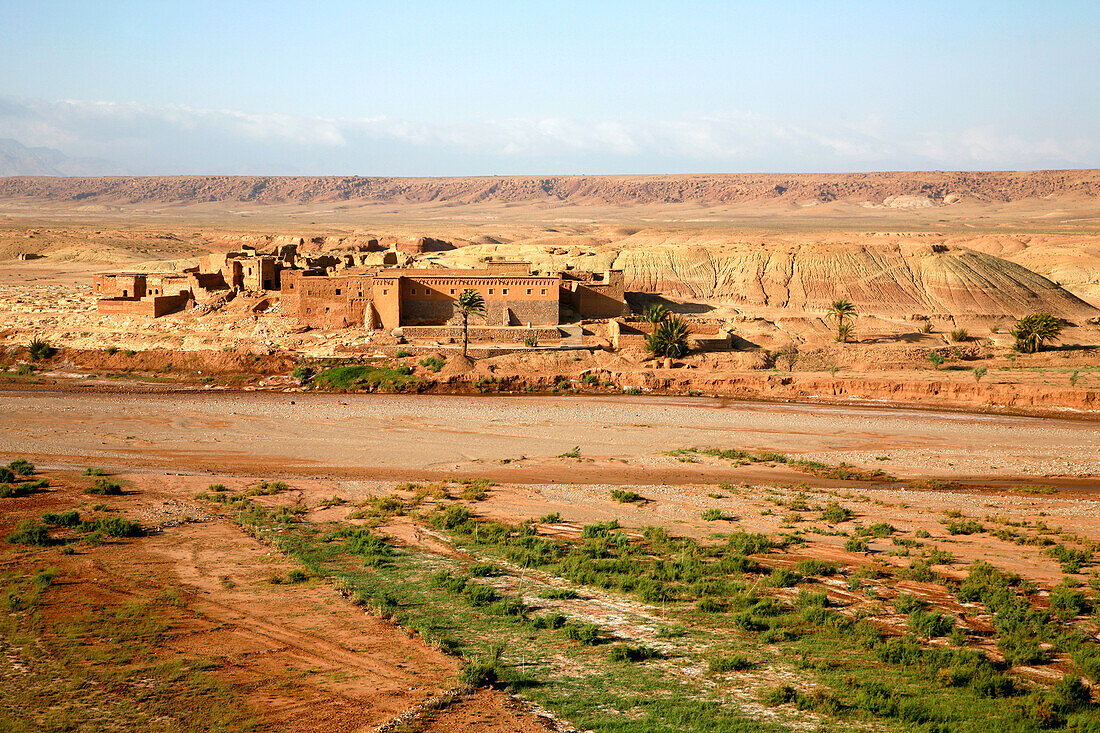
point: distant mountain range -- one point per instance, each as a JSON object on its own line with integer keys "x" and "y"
{"x": 16, "y": 159}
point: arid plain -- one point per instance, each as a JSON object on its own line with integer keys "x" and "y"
{"x": 861, "y": 535}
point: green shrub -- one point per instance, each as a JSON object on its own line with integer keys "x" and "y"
{"x": 479, "y": 595}
{"x": 484, "y": 570}
{"x": 268, "y": 488}
{"x": 1071, "y": 560}
{"x": 303, "y": 373}
{"x": 626, "y": 497}
{"x": 855, "y": 544}
{"x": 475, "y": 489}
{"x": 553, "y": 518}
{"x": 21, "y": 467}
{"x": 6, "y": 475}
{"x": 549, "y": 621}
{"x": 367, "y": 377}
{"x": 297, "y": 576}
{"x": 718, "y": 664}
{"x": 626, "y": 653}
{"x": 375, "y": 552}
{"x": 959, "y": 335}
{"x": 713, "y": 515}
{"x": 907, "y": 603}
{"x": 90, "y": 471}
{"x": 586, "y": 634}
{"x": 783, "y": 578}
{"x": 30, "y": 532}
{"x": 834, "y": 513}
{"x": 1066, "y": 601}
{"x": 559, "y": 594}
{"x": 930, "y": 624}
{"x": 112, "y": 527}
{"x": 218, "y": 488}
{"x": 433, "y": 363}
{"x": 103, "y": 487}
{"x": 968, "y": 526}
{"x": 62, "y": 519}
{"x": 816, "y": 568}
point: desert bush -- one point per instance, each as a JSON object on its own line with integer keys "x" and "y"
{"x": 1071, "y": 560}
{"x": 92, "y": 471}
{"x": 969, "y": 526}
{"x": 21, "y": 467}
{"x": 855, "y": 544}
{"x": 303, "y": 373}
{"x": 588, "y": 634}
{"x": 834, "y": 513}
{"x": 960, "y": 335}
{"x": 979, "y": 372}
{"x": 783, "y": 578}
{"x": 62, "y": 519}
{"x": 433, "y": 363}
{"x": 626, "y": 497}
{"x": 475, "y": 489}
{"x": 930, "y": 624}
{"x": 713, "y": 515}
{"x": 936, "y": 359}
{"x": 479, "y": 595}
{"x": 6, "y": 475}
{"x": 720, "y": 663}
{"x": 559, "y": 594}
{"x": 30, "y": 532}
{"x": 297, "y": 576}
{"x": 633, "y": 654}
{"x": 1067, "y": 601}
{"x": 531, "y": 340}
{"x": 552, "y": 518}
{"x": 815, "y": 568}
{"x": 375, "y": 552}
{"x": 103, "y": 487}
{"x": 549, "y": 621}
{"x": 112, "y": 527}
{"x": 450, "y": 518}
{"x": 218, "y": 488}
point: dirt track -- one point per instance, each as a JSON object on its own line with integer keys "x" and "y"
{"x": 519, "y": 439}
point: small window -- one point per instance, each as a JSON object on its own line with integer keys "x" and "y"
{"x": 385, "y": 292}
{"x": 528, "y": 291}
{"x": 542, "y": 292}
{"x": 337, "y": 291}
{"x": 452, "y": 291}
{"x": 412, "y": 291}
{"x": 291, "y": 286}
{"x": 504, "y": 291}
{"x": 490, "y": 291}
{"x": 360, "y": 293}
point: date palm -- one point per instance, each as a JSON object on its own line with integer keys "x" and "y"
{"x": 840, "y": 311}
{"x": 669, "y": 338}
{"x": 469, "y": 302}
{"x": 1031, "y": 331}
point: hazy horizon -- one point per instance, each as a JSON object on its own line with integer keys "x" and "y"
{"x": 431, "y": 89}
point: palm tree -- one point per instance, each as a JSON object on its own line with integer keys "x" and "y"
{"x": 469, "y": 301}
{"x": 840, "y": 311}
{"x": 655, "y": 313}
{"x": 669, "y": 338}
{"x": 1031, "y": 331}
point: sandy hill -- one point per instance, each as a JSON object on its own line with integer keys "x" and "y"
{"x": 896, "y": 190}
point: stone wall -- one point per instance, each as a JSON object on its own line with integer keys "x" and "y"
{"x": 149, "y": 307}
{"x": 481, "y": 333}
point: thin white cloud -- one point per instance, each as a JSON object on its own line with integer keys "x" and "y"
{"x": 146, "y": 139}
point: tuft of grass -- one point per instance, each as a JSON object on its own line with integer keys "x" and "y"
{"x": 834, "y": 513}
{"x": 62, "y": 519}
{"x": 103, "y": 487}
{"x": 21, "y": 467}
{"x": 433, "y": 363}
{"x": 574, "y": 453}
{"x": 367, "y": 377}
{"x": 91, "y": 471}
{"x": 32, "y": 533}
{"x": 626, "y": 497}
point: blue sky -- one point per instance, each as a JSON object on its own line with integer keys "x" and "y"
{"x": 450, "y": 88}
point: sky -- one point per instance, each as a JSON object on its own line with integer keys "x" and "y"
{"x": 480, "y": 88}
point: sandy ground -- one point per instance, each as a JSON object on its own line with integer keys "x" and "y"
{"x": 519, "y": 438}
